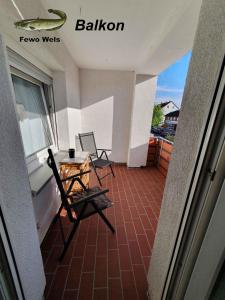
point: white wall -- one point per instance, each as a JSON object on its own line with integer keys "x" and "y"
{"x": 60, "y": 98}
{"x": 46, "y": 204}
{"x": 206, "y": 61}
{"x": 73, "y": 101}
{"x": 15, "y": 194}
{"x": 143, "y": 102}
{"x": 67, "y": 105}
{"x": 67, "y": 94}
{"x": 106, "y": 105}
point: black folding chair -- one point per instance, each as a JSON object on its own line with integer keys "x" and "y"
{"x": 87, "y": 142}
{"x": 78, "y": 205}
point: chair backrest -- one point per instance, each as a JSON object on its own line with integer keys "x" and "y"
{"x": 87, "y": 142}
{"x": 51, "y": 163}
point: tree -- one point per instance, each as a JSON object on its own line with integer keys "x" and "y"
{"x": 157, "y": 115}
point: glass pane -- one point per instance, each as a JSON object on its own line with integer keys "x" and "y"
{"x": 32, "y": 116}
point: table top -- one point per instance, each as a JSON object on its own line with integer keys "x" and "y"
{"x": 80, "y": 158}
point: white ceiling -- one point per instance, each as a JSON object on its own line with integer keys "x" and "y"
{"x": 157, "y": 32}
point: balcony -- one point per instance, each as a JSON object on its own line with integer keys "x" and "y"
{"x": 98, "y": 264}
{"x": 103, "y": 82}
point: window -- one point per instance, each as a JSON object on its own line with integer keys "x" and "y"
{"x": 32, "y": 115}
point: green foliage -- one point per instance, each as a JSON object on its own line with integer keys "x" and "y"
{"x": 157, "y": 115}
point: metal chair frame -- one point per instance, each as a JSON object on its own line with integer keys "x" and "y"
{"x": 86, "y": 200}
{"x": 95, "y": 154}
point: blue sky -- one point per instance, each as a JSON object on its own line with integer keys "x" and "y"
{"x": 170, "y": 85}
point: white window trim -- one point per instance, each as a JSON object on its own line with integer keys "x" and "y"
{"x": 20, "y": 63}
{"x": 35, "y": 160}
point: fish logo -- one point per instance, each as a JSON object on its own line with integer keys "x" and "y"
{"x": 43, "y": 24}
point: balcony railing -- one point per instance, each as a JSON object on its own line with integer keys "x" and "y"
{"x": 159, "y": 153}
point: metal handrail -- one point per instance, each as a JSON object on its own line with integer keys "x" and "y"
{"x": 163, "y": 139}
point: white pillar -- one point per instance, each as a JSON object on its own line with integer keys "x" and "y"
{"x": 143, "y": 102}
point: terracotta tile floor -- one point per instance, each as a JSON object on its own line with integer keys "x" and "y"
{"x": 98, "y": 264}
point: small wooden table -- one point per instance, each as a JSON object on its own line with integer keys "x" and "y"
{"x": 71, "y": 166}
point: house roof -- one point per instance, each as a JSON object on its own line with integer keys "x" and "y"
{"x": 165, "y": 103}
{"x": 173, "y": 113}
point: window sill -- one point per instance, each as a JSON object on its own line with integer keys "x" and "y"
{"x": 40, "y": 177}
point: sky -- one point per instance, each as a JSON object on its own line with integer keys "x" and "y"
{"x": 170, "y": 85}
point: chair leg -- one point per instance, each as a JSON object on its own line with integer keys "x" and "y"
{"x": 104, "y": 218}
{"x": 106, "y": 221}
{"x": 61, "y": 231}
{"x": 75, "y": 226}
{"x": 99, "y": 180}
{"x": 67, "y": 243}
{"x": 112, "y": 170}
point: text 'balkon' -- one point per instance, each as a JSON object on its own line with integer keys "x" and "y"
{"x": 98, "y": 25}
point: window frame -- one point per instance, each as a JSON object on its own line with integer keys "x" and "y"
{"x": 36, "y": 159}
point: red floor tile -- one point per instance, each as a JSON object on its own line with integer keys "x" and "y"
{"x": 128, "y": 286}
{"x": 135, "y": 252}
{"x": 86, "y": 286}
{"x": 143, "y": 244}
{"x": 79, "y": 248}
{"x": 131, "y": 236}
{"x": 49, "y": 280}
{"x": 121, "y": 234}
{"x": 102, "y": 245}
{"x": 125, "y": 262}
{"x": 112, "y": 241}
{"x": 139, "y": 229}
{"x": 70, "y": 295}
{"x": 113, "y": 263}
{"x": 100, "y": 294}
{"x": 92, "y": 235}
{"x": 115, "y": 289}
{"x": 99, "y": 264}
{"x": 74, "y": 275}
{"x": 89, "y": 258}
{"x": 51, "y": 263}
{"x": 58, "y": 285}
{"x": 141, "y": 281}
{"x": 127, "y": 215}
{"x": 101, "y": 272}
{"x": 145, "y": 222}
{"x": 150, "y": 236}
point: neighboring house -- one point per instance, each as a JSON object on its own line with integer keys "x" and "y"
{"x": 168, "y": 107}
{"x": 171, "y": 119}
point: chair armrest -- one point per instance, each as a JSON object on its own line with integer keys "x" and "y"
{"x": 75, "y": 175}
{"x": 104, "y": 149}
{"x": 89, "y": 197}
{"x": 104, "y": 152}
